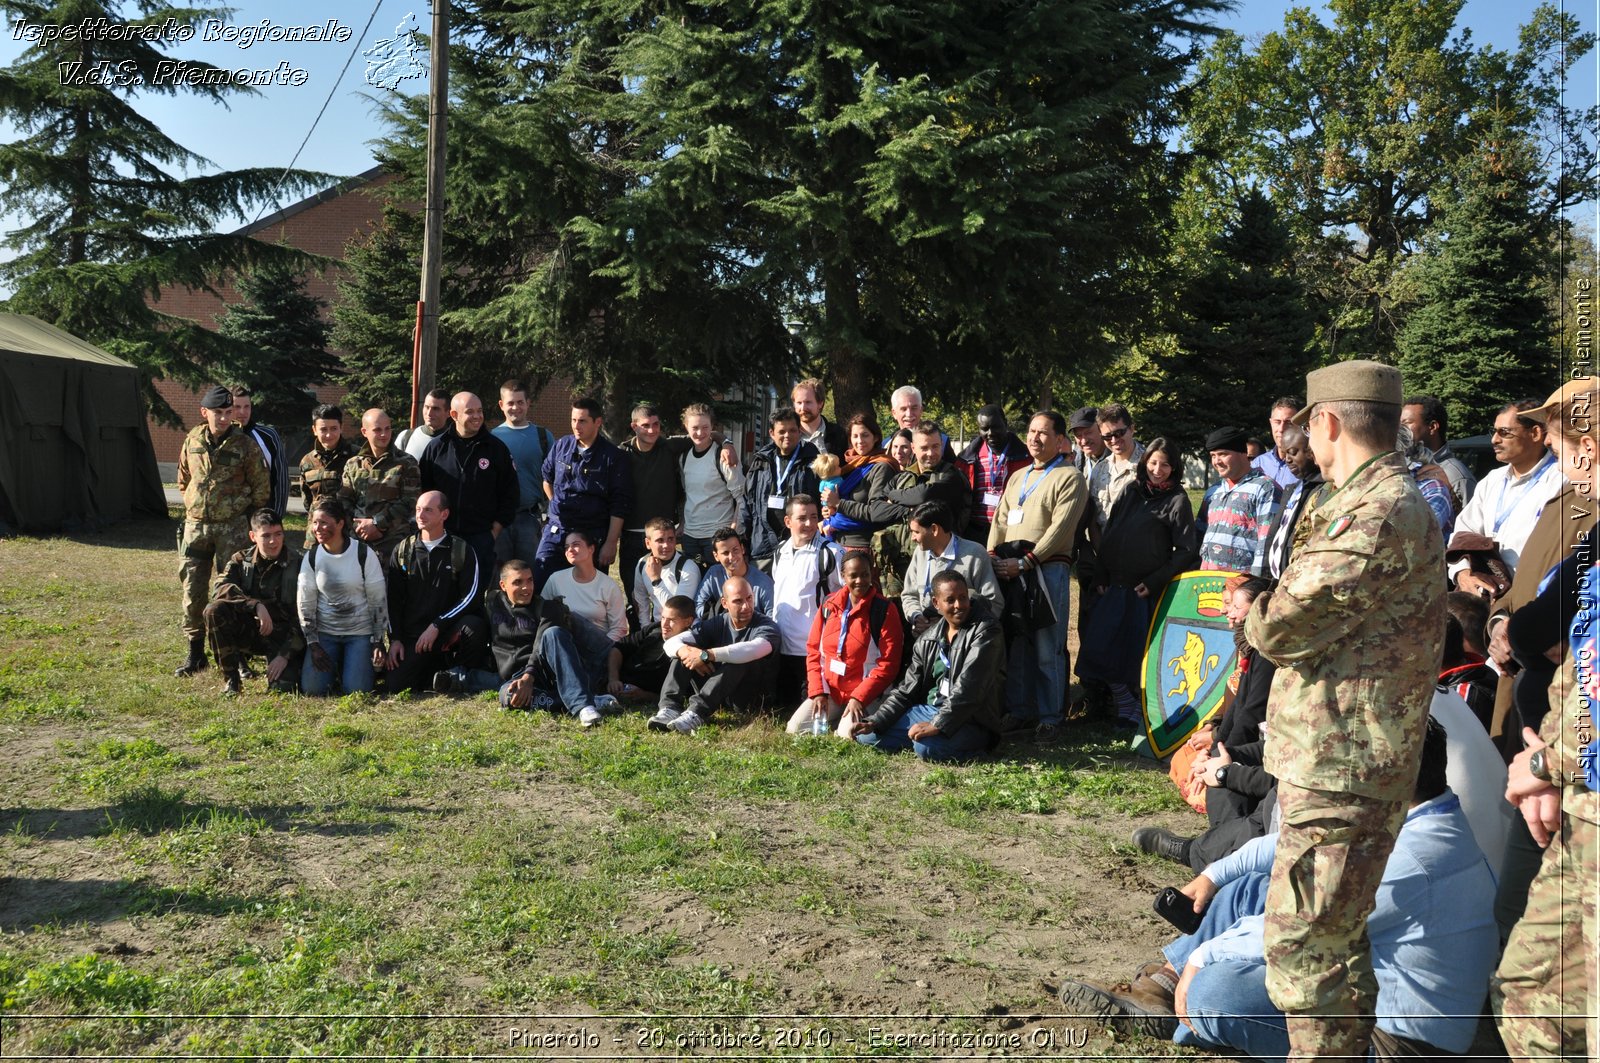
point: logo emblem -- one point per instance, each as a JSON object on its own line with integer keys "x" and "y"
{"x": 1188, "y": 658}
{"x": 1338, "y": 527}
{"x": 483, "y": 463}
{"x": 394, "y": 59}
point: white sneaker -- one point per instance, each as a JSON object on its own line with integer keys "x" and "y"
{"x": 687, "y": 723}
{"x": 606, "y": 703}
{"x": 662, "y": 720}
{"x": 588, "y": 716}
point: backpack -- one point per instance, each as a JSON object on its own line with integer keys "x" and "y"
{"x": 827, "y": 563}
{"x": 405, "y": 556}
{"x": 877, "y": 615}
{"x": 361, "y": 555}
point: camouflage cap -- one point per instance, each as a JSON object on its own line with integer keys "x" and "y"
{"x": 1581, "y": 392}
{"x": 1358, "y": 380}
{"x": 218, "y": 398}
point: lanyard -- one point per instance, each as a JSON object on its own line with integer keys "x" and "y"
{"x": 997, "y": 466}
{"x": 1022, "y": 495}
{"x": 844, "y": 629}
{"x": 1508, "y": 501}
{"x": 927, "y": 577}
{"x": 787, "y": 469}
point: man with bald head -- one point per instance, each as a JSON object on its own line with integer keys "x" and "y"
{"x": 434, "y": 594}
{"x": 477, "y": 476}
{"x": 730, "y": 659}
{"x": 380, "y": 486}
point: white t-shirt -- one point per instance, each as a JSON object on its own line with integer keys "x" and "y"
{"x": 599, "y": 601}
{"x": 649, "y": 598}
{"x": 341, "y": 598}
{"x": 710, "y": 494}
{"x": 794, "y": 589}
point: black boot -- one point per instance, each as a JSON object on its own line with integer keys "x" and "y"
{"x": 232, "y": 686}
{"x": 196, "y": 661}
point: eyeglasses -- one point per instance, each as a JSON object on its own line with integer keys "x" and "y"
{"x": 1115, "y": 433}
{"x": 1504, "y": 433}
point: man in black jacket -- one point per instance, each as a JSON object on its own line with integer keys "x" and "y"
{"x": 477, "y": 476}
{"x": 1293, "y": 524}
{"x": 433, "y": 600}
{"x": 774, "y": 474}
{"x": 253, "y": 610}
{"x": 947, "y": 707}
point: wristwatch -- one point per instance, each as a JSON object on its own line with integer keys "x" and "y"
{"x": 1222, "y": 776}
{"x": 1537, "y": 766}
{"x": 705, "y": 657}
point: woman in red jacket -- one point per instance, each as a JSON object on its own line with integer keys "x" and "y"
{"x": 853, "y": 652}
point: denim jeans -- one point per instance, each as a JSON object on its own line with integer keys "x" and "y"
{"x": 571, "y": 664}
{"x": 521, "y": 540}
{"x": 352, "y": 666}
{"x": 968, "y": 741}
{"x": 1227, "y": 999}
{"x": 1036, "y": 674}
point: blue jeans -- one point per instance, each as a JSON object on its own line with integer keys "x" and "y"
{"x": 968, "y": 741}
{"x": 570, "y": 663}
{"x": 521, "y": 540}
{"x": 1227, "y": 1000}
{"x": 1036, "y": 674}
{"x": 696, "y": 550}
{"x": 352, "y": 664}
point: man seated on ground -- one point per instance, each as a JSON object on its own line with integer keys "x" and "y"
{"x": 433, "y": 601}
{"x": 732, "y": 556}
{"x": 805, "y": 570}
{"x": 545, "y": 659}
{"x": 637, "y": 666}
{"x": 729, "y": 660}
{"x": 253, "y": 610}
{"x": 1433, "y": 944}
{"x": 662, "y": 572}
{"x": 939, "y": 549}
{"x": 947, "y": 708}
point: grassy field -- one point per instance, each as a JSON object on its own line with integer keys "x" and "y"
{"x": 272, "y": 875}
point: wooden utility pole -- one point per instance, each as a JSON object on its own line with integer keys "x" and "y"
{"x": 427, "y": 360}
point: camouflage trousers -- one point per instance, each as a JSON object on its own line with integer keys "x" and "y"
{"x": 1332, "y": 848}
{"x": 204, "y": 549}
{"x": 235, "y": 636}
{"x": 1545, "y": 990}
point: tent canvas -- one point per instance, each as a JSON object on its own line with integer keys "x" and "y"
{"x": 74, "y": 447}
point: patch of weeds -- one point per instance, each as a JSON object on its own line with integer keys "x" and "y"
{"x": 86, "y": 983}
{"x": 344, "y": 732}
{"x": 149, "y": 810}
{"x": 1029, "y": 787}
{"x": 115, "y": 765}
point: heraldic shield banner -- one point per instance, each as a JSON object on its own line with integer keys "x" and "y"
{"x": 1187, "y": 659}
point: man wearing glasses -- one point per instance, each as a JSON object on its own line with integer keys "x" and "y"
{"x": 1108, "y": 478}
{"x": 1508, "y": 501}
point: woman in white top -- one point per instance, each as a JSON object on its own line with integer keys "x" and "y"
{"x": 344, "y": 606}
{"x": 590, "y": 594}
{"x": 712, "y": 491}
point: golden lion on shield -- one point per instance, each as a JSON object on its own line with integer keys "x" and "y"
{"x": 1192, "y": 667}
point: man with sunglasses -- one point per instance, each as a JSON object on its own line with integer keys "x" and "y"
{"x": 1108, "y": 478}
{"x": 1508, "y": 501}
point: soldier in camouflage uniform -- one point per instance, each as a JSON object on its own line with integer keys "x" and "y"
{"x": 223, "y": 479}
{"x": 1545, "y": 993}
{"x": 322, "y": 469}
{"x": 381, "y": 485}
{"x": 1356, "y": 627}
{"x": 254, "y": 610}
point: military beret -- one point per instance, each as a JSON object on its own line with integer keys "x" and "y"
{"x": 1358, "y": 380}
{"x": 1084, "y": 417}
{"x": 1227, "y": 439}
{"x": 218, "y": 398}
{"x": 1580, "y": 392}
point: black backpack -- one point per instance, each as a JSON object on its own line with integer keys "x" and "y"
{"x": 877, "y": 616}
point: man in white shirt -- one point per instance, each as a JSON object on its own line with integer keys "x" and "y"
{"x": 435, "y": 415}
{"x": 939, "y": 550}
{"x": 662, "y": 572}
{"x": 1508, "y": 501}
{"x": 1109, "y": 478}
{"x": 805, "y": 570}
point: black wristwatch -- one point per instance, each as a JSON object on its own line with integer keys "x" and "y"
{"x": 1222, "y": 776}
{"x": 1537, "y": 766}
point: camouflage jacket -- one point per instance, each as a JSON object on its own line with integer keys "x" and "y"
{"x": 251, "y": 579}
{"x": 322, "y": 472}
{"x": 222, "y": 480}
{"x": 1356, "y": 627}
{"x": 384, "y": 490}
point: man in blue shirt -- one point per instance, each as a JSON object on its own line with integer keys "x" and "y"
{"x": 1433, "y": 936}
{"x": 528, "y": 443}
{"x": 732, "y": 560}
{"x": 589, "y": 483}
{"x": 1274, "y": 464}
{"x": 730, "y": 659}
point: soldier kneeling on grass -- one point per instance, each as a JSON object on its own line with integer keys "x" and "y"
{"x": 253, "y": 609}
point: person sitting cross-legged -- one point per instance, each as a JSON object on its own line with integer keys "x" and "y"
{"x": 434, "y": 593}
{"x": 730, "y": 659}
{"x": 540, "y": 648}
{"x": 637, "y": 665}
{"x": 947, "y": 707}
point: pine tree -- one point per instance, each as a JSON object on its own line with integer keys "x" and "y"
{"x": 1246, "y": 332}
{"x": 280, "y": 343}
{"x": 111, "y": 221}
{"x": 1481, "y": 334}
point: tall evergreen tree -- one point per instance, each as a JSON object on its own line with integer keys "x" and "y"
{"x": 280, "y": 346}
{"x": 1245, "y": 334}
{"x": 111, "y": 218}
{"x": 1480, "y": 333}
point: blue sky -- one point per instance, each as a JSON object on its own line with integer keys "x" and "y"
{"x": 266, "y": 130}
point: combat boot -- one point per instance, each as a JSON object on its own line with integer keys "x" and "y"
{"x": 196, "y": 661}
{"x": 232, "y": 686}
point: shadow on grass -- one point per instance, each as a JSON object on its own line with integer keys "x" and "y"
{"x": 27, "y": 903}
{"x": 152, "y": 810}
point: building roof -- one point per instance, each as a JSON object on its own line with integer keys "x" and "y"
{"x": 29, "y": 335}
{"x": 331, "y": 192}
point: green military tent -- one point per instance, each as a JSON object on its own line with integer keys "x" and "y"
{"x": 74, "y": 448}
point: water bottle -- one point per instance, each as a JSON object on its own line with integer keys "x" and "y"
{"x": 819, "y": 723}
